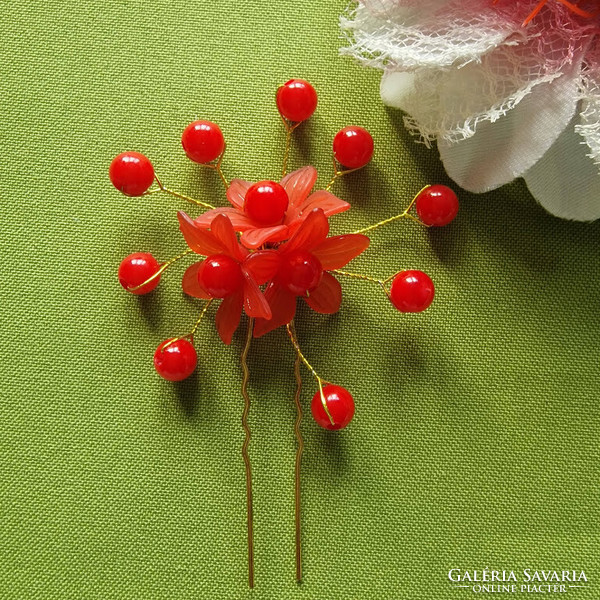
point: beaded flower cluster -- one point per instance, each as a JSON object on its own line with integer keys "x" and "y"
{"x": 269, "y": 248}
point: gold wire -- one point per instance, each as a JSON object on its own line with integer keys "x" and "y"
{"x": 320, "y": 380}
{"x": 403, "y": 215}
{"x": 162, "y": 268}
{"x": 217, "y": 167}
{"x": 337, "y": 174}
{"x": 249, "y": 512}
{"x": 299, "y": 451}
{"x": 379, "y": 282}
{"x": 190, "y": 335}
{"x": 288, "y": 142}
{"x": 162, "y": 188}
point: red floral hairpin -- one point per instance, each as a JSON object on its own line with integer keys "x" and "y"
{"x": 266, "y": 250}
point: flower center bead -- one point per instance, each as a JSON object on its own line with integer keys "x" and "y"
{"x": 220, "y": 276}
{"x": 300, "y": 272}
{"x": 266, "y": 202}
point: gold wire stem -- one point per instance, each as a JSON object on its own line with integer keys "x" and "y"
{"x": 337, "y": 174}
{"x": 299, "y": 451}
{"x": 217, "y": 167}
{"x": 162, "y": 268}
{"x": 249, "y": 513}
{"x": 289, "y": 129}
{"x": 190, "y": 335}
{"x": 320, "y": 380}
{"x": 403, "y": 215}
{"x": 199, "y": 320}
{"x": 166, "y": 190}
{"x": 380, "y": 282}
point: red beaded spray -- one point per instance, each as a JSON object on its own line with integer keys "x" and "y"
{"x": 266, "y": 250}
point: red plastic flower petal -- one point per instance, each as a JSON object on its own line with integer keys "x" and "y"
{"x": 223, "y": 231}
{"x": 262, "y": 265}
{"x": 199, "y": 240}
{"x": 330, "y": 204}
{"x": 236, "y": 193}
{"x": 310, "y": 234}
{"x": 190, "y": 284}
{"x": 298, "y": 185}
{"x": 255, "y": 303}
{"x": 228, "y": 316}
{"x": 336, "y": 252}
{"x": 283, "y": 309}
{"x": 255, "y": 238}
{"x": 327, "y": 297}
{"x": 239, "y": 220}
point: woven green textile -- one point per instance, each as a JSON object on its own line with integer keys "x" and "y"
{"x": 475, "y": 441}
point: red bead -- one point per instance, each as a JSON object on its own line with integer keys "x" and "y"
{"x": 135, "y": 269}
{"x": 177, "y": 361}
{"x": 266, "y": 202}
{"x": 296, "y": 100}
{"x": 437, "y": 205}
{"x": 220, "y": 276}
{"x": 300, "y": 272}
{"x": 203, "y": 141}
{"x": 131, "y": 173}
{"x": 340, "y": 405}
{"x": 353, "y": 147}
{"x": 412, "y": 291}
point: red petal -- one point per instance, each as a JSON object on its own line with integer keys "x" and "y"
{"x": 327, "y": 297}
{"x": 223, "y": 231}
{"x": 331, "y": 205}
{"x": 336, "y": 252}
{"x": 198, "y": 239}
{"x": 228, "y": 316}
{"x": 311, "y": 233}
{"x": 298, "y": 185}
{"x": 236, "y": 192}
{"x": 255, "y": 303}
{"x": 262, "y": 265}
{"x": 283, "y": 309}
{"x": 255, "y": 238}
{"x": 238, "y": 219}
{"x": 190, "y": 284}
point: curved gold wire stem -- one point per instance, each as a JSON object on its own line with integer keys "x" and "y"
{"x": 403, "y": 215}
{"x": 320, "y": 380}
{"x": 337, "y": 174}
{"x": 249, "y": 512}
{"x": 380, "y": 282}
{"x": 166, "y": 190}
{"x": 160, "y": 271}
{"x": 190, "y": 335}
{"x": 299, "y": 451}
{"x": 217, "y": 167}
{"x": 289, "y": 129}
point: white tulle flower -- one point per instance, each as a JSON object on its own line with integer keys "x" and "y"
{"x": 507, "y": 89}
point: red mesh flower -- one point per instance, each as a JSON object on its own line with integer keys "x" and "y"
{"x": 221, "y": 241}
{"x": 300, "y": 268}
{"x": 298, "y": 185}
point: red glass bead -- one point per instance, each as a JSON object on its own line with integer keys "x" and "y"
{"x": 300, "y": 272}
{"x": 353, "y": 147}
{"x": 412, "y": 291}
{"x": 340, "y": 405}
{"x": 296, "y": 100}
{"x": 135, "y": 269}
{"x": 266, "y": 202}
{"x": 131, "y": 173}
{"x": 203, "y": 141}
{"x": 220, "y": 276}
{"x": 176, "y": 361}
{"x": 437, "y": 205}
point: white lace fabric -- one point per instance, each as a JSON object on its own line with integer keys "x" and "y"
{"x": 459, "y": 68}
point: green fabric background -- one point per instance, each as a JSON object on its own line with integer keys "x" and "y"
{"x": 475, "y": 442}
